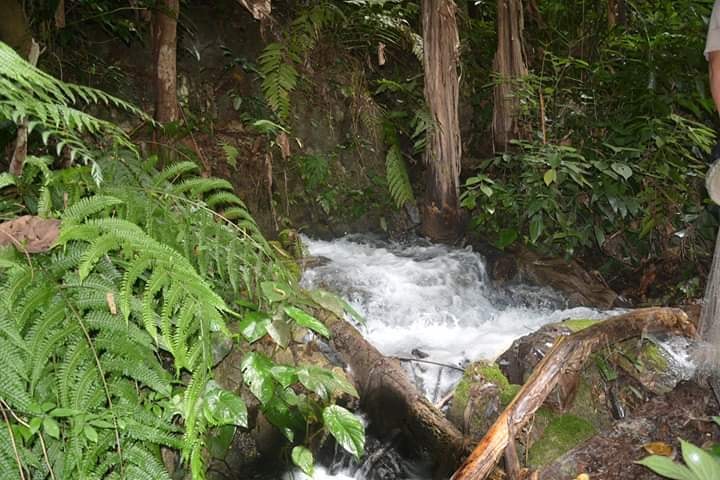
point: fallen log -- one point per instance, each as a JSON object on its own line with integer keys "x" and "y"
{"x": 561, "y": 367}
{"x": 390, "y": 399}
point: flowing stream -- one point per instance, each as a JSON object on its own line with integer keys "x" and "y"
{"x": 429, "y": 302}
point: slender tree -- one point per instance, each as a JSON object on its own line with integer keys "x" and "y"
{"x": 443, "y": 153}
{"x": 509, "y": 66}
{"x": 164, "y": 35}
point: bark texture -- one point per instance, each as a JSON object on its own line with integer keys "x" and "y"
{"x": 560, "y": 367}
{"x": 14, "y": 28}
{"x": 20, "y": 152}
{"x": 164, "y": 31}
{"x": 390, "y": 398}
{"x": 260, "y": 9}
{"x": 509, "y": 66}
{"x": 441, "y": 219}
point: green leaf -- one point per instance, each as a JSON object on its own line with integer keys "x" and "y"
{"x": 622, "y": 170}
{"x": 667, "y": 468}
{"x": 324, "y": 382}
{"x": 347, "y": 429}
{"x": 536, "y": 227}
{"x": 254, "y": 326}
{"x": 90, "y": 433}
{"x": 487, "y": 190}
{"x": 51, "y": 427}
{"x": 279, "y": 330}
{"x": 506, "y": 238}
{"x": 303, "y": 458}
{"x": 285, "y": 375}
{"x": 716, "y": 420}
{"x": 703, "y": 465}
{"x": 308, "y": 321}
{"x": 223, "y": 407}
{"x": 64, "y": 412}
{"x": 275, "y": 291}
{"x": 550, "y": 176}
{"x": 256, "y": 369}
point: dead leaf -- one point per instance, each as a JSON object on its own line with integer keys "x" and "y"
{"x": 381, "y": 54}
{"x": 659, "y": 448}
{"x": 260, "y": 9}
{"x": 583, "y": 476}
{"x": 110, "y": 299}
{"x": 30, "y": 234}
{"x": 283, "y": 142}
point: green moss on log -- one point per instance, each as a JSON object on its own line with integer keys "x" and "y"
{"x": 578, "y": 324}
{"x": 562, "y": 434}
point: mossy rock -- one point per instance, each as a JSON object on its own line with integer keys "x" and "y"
{"x": 562, "y": 434}
{"x": 647, "y": 363}
{"x": 479, "y": 398}
{"x": 576, "y": 325}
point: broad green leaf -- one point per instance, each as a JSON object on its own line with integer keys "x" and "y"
{"x": 622, "y": 170}
{"x": 308, "y": 321}
{"x": 254, "y": 326}
{"x": 303, "y": 458}
{"x": 550, "y": 176}
{"x": 223, "y": 407}
{"x": 284, "y": 375}
{"x": 279, "y": 330}
{"x": 703, "y": 465}
{"x": 487, "y": 190}
{"x": 51, "y": 427}
{"x": 275, "y": 291}
{"x": 64, "y": 412}
{"x": 256, "y": 374}
{"x": 328, "y": 301}
{"x": 324, "y": 382}
{"x": 506, "y": 238}
{"x": 716, "y": 420}
{"x": 347, "y": 429}
{"x": 667, "y": 468}
{"x": 536, "y": 228}
{"x": 90, "y": 433}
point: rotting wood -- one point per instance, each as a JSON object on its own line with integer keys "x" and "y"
{"x": 390, "y": 398}
{"x": 21, "y": 143}
{"x": 565, "y": 360}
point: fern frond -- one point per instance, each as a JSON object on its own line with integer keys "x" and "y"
{"x": 398, "y": 180}
{"x": 89, "y": 206}
{"x": 175, "y": 171}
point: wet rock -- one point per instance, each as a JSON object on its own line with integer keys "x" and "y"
{"x": 518, "y": 362}
{"x": 610, "y": 455}
{"x": 649, "y": 364}
{"x": 417, "y": 353}
{"x": 580, "y": 287}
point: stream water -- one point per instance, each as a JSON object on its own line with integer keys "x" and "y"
{"x": 429, "y": 301}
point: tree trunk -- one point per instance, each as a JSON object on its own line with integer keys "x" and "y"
{"x": 561, "y": 367}
{"x": 21, "y": 143}
{"x": 509, "y": 66}
{"x": 441, "y": 219}
{"x": 14, "y": 28}
{"x": 164, "y": 32}
{"x": 391, "y": 400}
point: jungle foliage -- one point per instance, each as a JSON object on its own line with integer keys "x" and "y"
{"x": 618, "y": 122}
{"x": 110, "y": 338}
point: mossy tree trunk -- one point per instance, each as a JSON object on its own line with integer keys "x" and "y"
{"x": 164, "y": 36}
{"x": 509, "y": 66}
{"x": 441, "y": 218}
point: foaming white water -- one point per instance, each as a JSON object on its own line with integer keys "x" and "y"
{"x": 320, "y": 473}
{"x": 434, "y": 299}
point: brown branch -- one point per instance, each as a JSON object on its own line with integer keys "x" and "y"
{"x": 561, "y": 365}
{"x": 12, "y": 441}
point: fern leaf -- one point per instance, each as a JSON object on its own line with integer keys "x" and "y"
{"x": 89, "y": 206}
{"x": 397, "y": 176}
{"x": 174, "y": 171}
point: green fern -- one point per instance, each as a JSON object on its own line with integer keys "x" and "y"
{"x": 26, "y": 92}
{"x": 397, "y": 177}
{"x": 279, "y": 78}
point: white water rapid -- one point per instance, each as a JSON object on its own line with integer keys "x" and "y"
{"x": 425, "y": 299}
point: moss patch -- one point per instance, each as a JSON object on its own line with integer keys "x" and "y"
{"x": 579, "y": 324}
{"x": 562, "y": 434}
{"x": 507, "y": 394}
